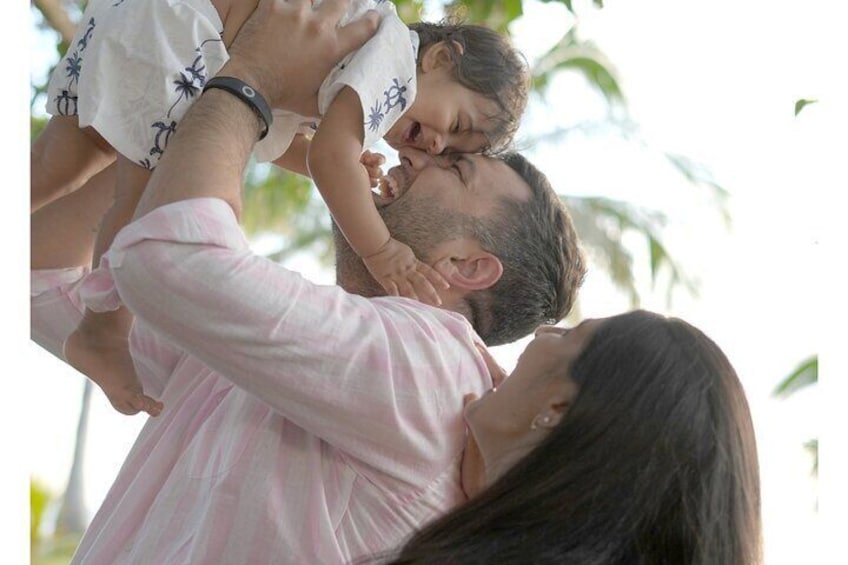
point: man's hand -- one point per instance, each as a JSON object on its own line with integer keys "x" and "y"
{"x": 283, "y": 50}
{"x": 286, "y": 48}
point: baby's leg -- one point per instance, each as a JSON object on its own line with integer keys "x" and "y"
{"x": 63, "y": 158}
{"x": 62, "y": 233}
{"x": 99, "y": 347}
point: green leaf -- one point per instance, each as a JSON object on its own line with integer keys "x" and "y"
{"x": 39, "y": 498}
{"x": 657, "y": 254}
{"x": 602, "y": 224}
{"x": 513, "y": 9}
{"x": 584, "y": 57}
{"x": 409, "y": 10}
{"x": 800, "y": 104}
{"x": 598, "y": 74}
{"x": 804, "y": 375}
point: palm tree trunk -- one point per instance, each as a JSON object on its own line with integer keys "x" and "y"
{"x": 73, "y": 518}
{"x": 57, "y": 17}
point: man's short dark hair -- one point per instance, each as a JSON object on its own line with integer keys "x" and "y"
{"x": 543, "y": 265}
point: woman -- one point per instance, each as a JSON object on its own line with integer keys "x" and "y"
{"x": 623, "y": 441}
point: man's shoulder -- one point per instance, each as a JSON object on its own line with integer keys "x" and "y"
{"x": 440, "y": 318}
{"x": 428, "y": 330}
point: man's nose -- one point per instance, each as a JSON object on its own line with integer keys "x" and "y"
{"x": 415, "y": 158}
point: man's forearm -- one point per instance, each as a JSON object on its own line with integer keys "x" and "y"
{"x": 283, "y": 51}
{"x": 207, "y": 156}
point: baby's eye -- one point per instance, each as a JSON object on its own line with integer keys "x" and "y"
{"x": 455, "y": 127}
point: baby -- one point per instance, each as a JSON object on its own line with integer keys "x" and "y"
{"x": 135, "y": 67}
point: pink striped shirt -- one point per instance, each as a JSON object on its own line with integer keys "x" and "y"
{"x": 302, "y": 424}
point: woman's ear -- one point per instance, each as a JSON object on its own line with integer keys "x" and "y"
{"x": 476, "y": 272}
{"x": 440, "y": 55}
{"x": 562, "y": 391}
{"x": 551, "y": 417}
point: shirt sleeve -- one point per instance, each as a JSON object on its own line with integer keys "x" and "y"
{"x": 56, "y": 309}
{"x": 381, "y": 379}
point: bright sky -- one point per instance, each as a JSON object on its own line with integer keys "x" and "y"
{"x": 714, "y": 81}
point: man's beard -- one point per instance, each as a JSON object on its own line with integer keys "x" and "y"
{"x": 420, "y": 223}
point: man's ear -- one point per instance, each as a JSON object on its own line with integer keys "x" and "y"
{"x": 439, "y": 55}
{"x": 478, "y": 271}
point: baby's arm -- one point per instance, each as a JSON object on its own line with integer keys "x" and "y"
{"x": 294, "y": 159}
{"x": 334, "y": 164}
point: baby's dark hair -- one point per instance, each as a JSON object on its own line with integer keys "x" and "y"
{"x": 488, "y": 64}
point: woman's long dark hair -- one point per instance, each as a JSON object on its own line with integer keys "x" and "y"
{"x": 655, "y": 463}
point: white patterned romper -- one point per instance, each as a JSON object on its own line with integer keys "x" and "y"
{"x": 135, "y": 66}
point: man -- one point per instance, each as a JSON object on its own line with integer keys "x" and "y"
{"x": 302, "y": 424}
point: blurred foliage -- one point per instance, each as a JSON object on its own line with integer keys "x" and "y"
{"x": 39, "y": 497}
{"x": 804, "y": 375}
{"x": 46, "y": 548}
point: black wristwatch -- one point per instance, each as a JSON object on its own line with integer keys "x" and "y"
{"x": 248, "y": 95}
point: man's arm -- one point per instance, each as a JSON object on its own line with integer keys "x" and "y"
{"x": 382, "y": 380}
{"x": 208, "y": 155}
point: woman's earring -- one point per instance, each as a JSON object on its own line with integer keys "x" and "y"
{"x": 540, "y": 420}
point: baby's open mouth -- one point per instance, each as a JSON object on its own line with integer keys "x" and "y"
{"x": 387, "y": 190}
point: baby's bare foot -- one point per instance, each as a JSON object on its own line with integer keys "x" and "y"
{"x": 104, "y": 357}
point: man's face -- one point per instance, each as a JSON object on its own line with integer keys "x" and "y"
{"x": 429, "y": 200}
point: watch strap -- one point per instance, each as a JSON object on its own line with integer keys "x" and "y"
{"x": 246, "y": 94}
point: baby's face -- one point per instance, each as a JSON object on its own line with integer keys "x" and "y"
{"x": 445, "y": 117}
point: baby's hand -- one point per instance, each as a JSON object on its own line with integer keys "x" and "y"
{"x": 397, "y": 270}
{"x": 372, "y": 163}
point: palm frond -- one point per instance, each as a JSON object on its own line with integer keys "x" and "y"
{"x": 572, "y": 53}
{"x": 804, "y": 375}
